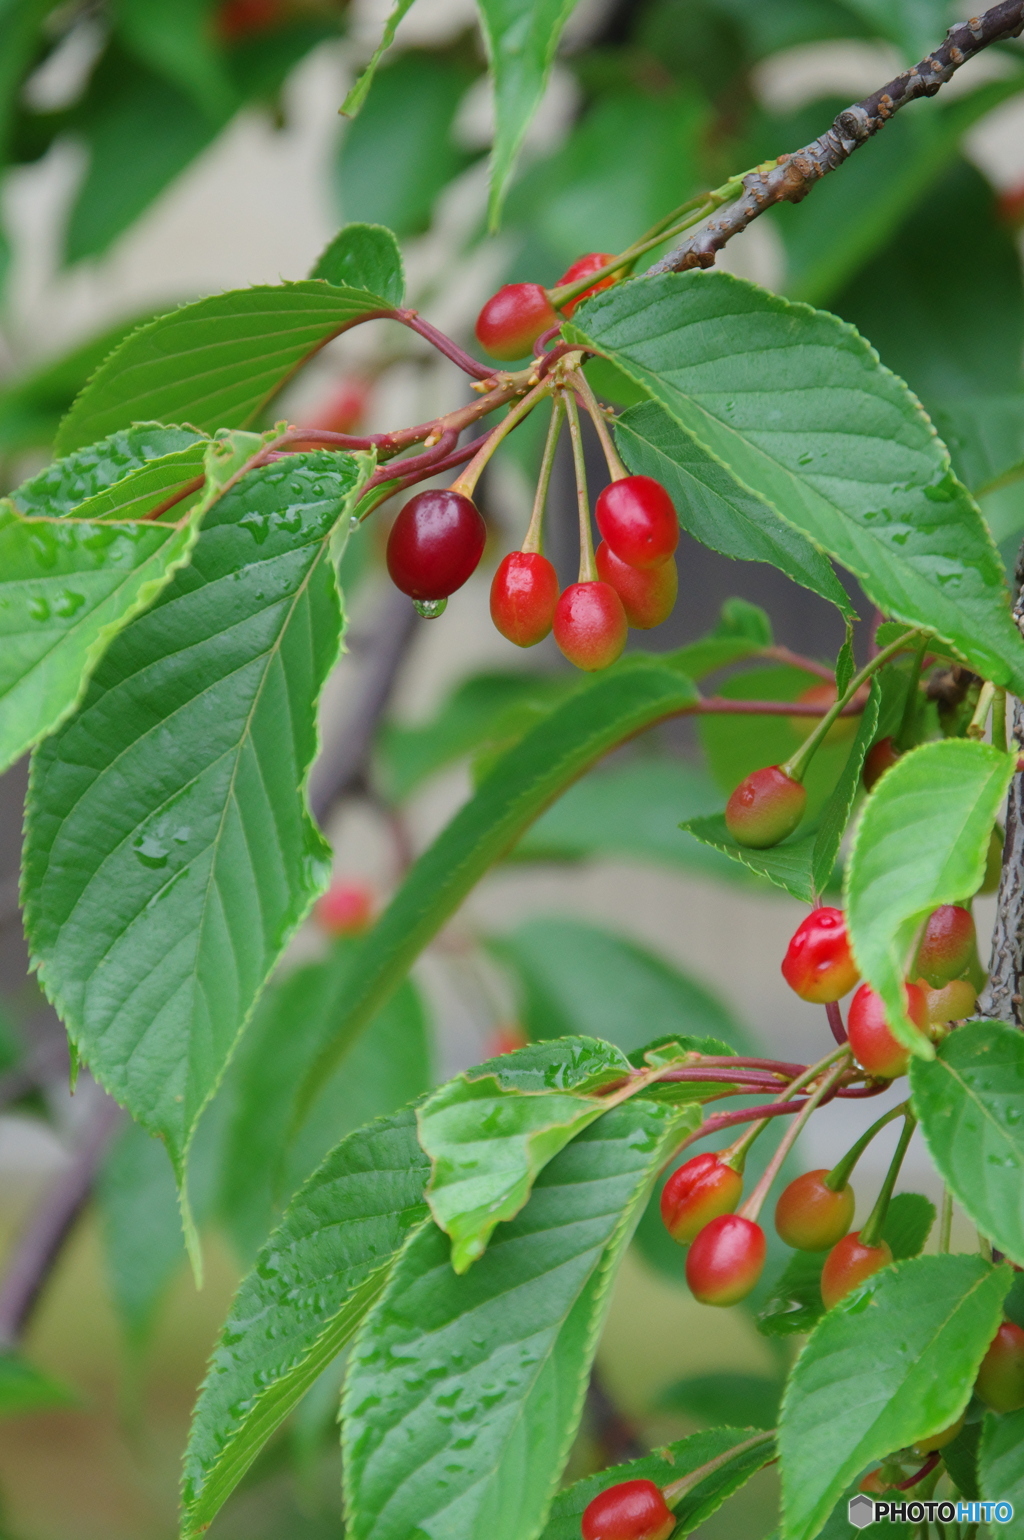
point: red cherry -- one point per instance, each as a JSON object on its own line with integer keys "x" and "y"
{"x": 345, "y": 909}
{"x": 947, "y": 945}
{"x": 648, "y": 596}
{"x": 513, "y": 319}
{"x": 818, "y": 963}
{"x": 524, "y": 593}
{"x": 725, "y": 1260}
{"x": 581, "y": 268}
{"x": 848, "y": 1264}
{"x": 590, "y": 625}
{"x": 506, "y": 1039}
{"x": 810, "y": 1216}
{"x": 1000, "y": 1382}
{"x": 701, "y": 1190}
{"x": 343, "y": 409}
{"x": 435, "y": 544}
{"x": 632, "y": 1510}
{"x": 638, "y": 519}
{"x": 764, "y": 808}
{"x": 880, "y": 757}
{"x": 239, "y": 18}
{"x": 874, "y": 1046}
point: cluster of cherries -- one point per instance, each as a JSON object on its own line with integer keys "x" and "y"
{"x": 438, "y": 538}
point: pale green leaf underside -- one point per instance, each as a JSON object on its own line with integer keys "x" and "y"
{"x": 310, "y": 1286}
{"x": 795, "y": 404}
{"x": 891, "y": 1363}
{"x": 970, "y": 1100}
{"x": 921, "y": 841}
{"x": 469, "y": 1436}
{"x": 169, "y": 852}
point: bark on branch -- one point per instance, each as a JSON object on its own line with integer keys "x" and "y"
{"x": 793, "y": 176}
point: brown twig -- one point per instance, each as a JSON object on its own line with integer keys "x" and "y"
{"x": 792, "y": 176}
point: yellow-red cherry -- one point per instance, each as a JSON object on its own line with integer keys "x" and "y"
{"x": 947, "y": 945}
{"x": 1000, "y": 1382}
{"x": 512, "y": 320}
{"x": 955, "y": 1001}
{"x": 435, "y": 544}
{"x": 648, "y": 594}
{"x": 810, "y": 1216}
{"x": 638, "y": 519}
{"x": 881, "y": 756}
{"x": 524, "y": 592}
{"x": 819, "y": 964}
{"x": 848, "y": 1264}
{"x": 590, "y": 625}
{"x": 725, "y": 1260}
{"x": 630, "y": 1510}
{"x": 874, "y": 1046}
{"x": 765, "y": 807}
{"x": 582, "y": 268}
{"x": 698, "y": 1192}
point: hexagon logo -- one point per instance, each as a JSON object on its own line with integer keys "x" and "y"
{"x": 861, "y": 1511}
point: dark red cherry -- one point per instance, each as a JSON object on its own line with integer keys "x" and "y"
{"x": 513, "y": 319}
{"x": 698, "y": 1192}
{"x": 947, "y": 945}
{"x": 873, "y": 1044}
{"x": 848, "y": 1264}
{"x": 435, "y": 544}
{"x": 818, "y": 963}
{"x": 810, "y": 1216}
{"x": 524, "y": 593}
{"x": 764, "y": 808}
{"x": 582, "y": 268}
{"x": 590, "y": 625}
{"x": 880, "y": 757}
{"x": 631, "y": 1510}
{"x": 648, "y": 595}
{"x": 638, "y": 519}
{"x": 725, "y": 1260}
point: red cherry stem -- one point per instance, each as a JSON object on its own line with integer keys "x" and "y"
{"x": 839, "y": 1176}
{"x": 540, "y": 346}
{"x": 588, "y": 567}
{"x": 776, "y": 1066}
{"x": 534, "y": 541}
{"x": 752, "y": 1207}
{"x": 919, "y": 1475}
{"x": 835, "y": 1021}
{"x": 735, "y": 1156}
{"x": 195, "y": 485}
{"x": 444, "y": 344}
{"x": 797, "y": 765}
{"x": 758, "y": 1081}
{"x": 392, "y": 484}
{"x": 583, "y": 389}
{"x": 677, "y": 1489}
{"x": 870, "y": 1233}
{"x": 723, "y": 1120}
{"x": 466, "y": 483}
{"x": 416, "y": 466}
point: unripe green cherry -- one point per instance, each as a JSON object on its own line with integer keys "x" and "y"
{"x": 1000, "y": 1382}
{"x": 726, "y": 1260}
{"x": 939, "y": 1440}
{"x": 630, "y": 1510}
{"x": 848, "y": 1264}
{"x": 810, "y": 1216}
{"x": 698, "y": 1192}
{"x": 947, "y": 945}
{"x": 764, "y": 808}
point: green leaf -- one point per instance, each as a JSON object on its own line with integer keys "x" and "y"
{"x": 921, "y": 841}
{"x": 69, "y": 585}
{"x": 358, "y": 94}
{"x": 969, "y": 1102}
{"x": 470, "y": 1436}
{"x": 214, "y": 363}
{"x": 175, "y": 39}
{"x": 487, "y": 1144}
{"x": 24, "y": 1388}
{"x": 364, "y": 257}
{"x": 83, "y": 477}
{"x": 523, "y": 782}
{"x": 1001, "y": 1467}
{"x": 725, "y": 1399}
{"x": 574, "y": 977}
{"x": 311, "y": 1285}
{"x": 960, "y": 1458}
{"x": 670, "y": 1464}
{"x": 521, "y": 37}
{"x": 795, "y": 405}
{"x": 573, "y": 1063}
{"x": 714, "y": 508}
{"x": 795, "y": 1302}
{"x": 399, "y": 153}
{"x": 164, "y": 872}
{"x": 892, "y": 1363}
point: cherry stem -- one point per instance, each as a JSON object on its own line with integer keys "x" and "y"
{"x": 551, "y": 358}
{"x": 540, "y": 346}
{"x": 391, "y": 488}
{"x": 588, "y": 568}
{"x": 534, "y": 541}
{"x": 797, "y": 765}
{"x": 416, "y": 465}
{"x": 759, "y": 1080}
{"x": 797, "y": 660}
{"x": 870, "y": 1232}
{"x": 721, "y": 704}
{"x": 736, "y": 1155}
{"x": 777, "y": 1066}
{"x": 466, "y": 484}
{"x": 835, "y": 1021}
{"x": 752, "y": 1207}
{"x": 195, "y": 485}
{"x": 677, "y": 1489}
{"x": 444, "y": 344}
{"x": 839, "y": 1176}
{"x": 582, "y": 387}
{"x": 919, "y": 1475}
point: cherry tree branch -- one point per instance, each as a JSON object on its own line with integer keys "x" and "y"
{"x": 791, "y": 177}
